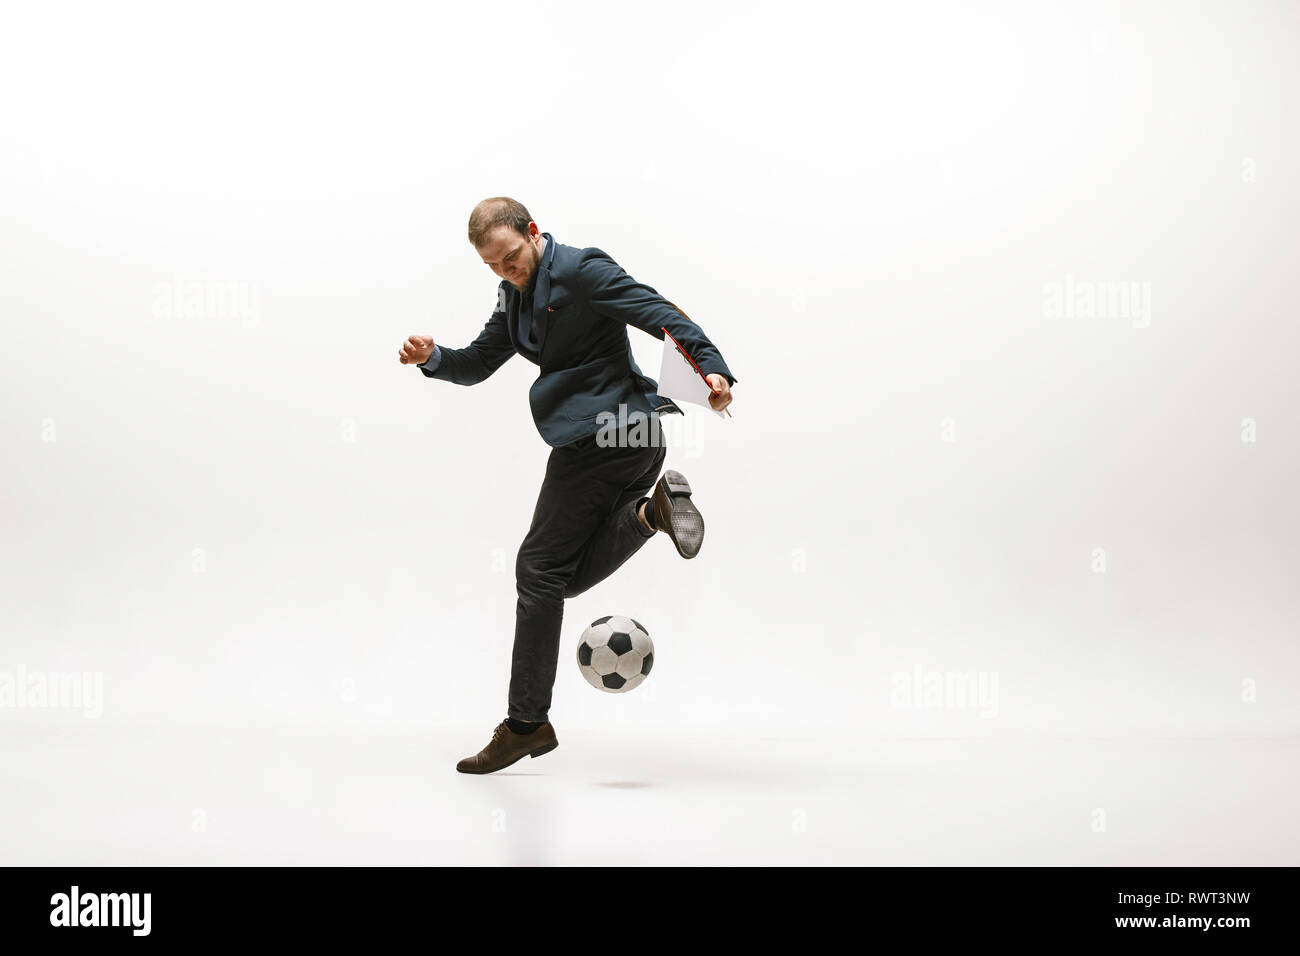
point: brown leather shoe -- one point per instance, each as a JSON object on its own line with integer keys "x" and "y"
{"x": 676, "y": 515}
{"x": 507, "y": 746}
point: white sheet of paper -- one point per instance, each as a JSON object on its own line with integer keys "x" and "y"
{"x": 679, "y": 380}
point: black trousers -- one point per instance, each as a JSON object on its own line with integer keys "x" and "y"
{"x": 584, "y": 527}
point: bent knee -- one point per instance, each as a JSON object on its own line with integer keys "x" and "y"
{"x": 539, "y": 582}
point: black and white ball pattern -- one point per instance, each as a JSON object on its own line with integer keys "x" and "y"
{"x": 615, "y": 654}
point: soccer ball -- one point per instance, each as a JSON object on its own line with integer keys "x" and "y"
{"x": 615, "y": 654}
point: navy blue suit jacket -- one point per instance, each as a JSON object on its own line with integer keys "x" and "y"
{"x": 582, "y": 304}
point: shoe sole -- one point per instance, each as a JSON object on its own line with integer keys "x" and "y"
{"x": 685, "y": 523}
{"x": 544, "y": 749}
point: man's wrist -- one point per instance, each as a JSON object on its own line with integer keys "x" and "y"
{"x": 431, "y": 363}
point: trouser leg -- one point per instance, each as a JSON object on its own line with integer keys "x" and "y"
{"x": 621, "y": 535}
{"x": 584, "y": 487}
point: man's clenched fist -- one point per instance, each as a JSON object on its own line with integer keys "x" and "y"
{"x": 415, "y": 350}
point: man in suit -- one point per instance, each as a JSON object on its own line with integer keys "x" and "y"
{"x": 567, "y": 310}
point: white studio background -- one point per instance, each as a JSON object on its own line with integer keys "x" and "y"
{"x": 223, "y": 494}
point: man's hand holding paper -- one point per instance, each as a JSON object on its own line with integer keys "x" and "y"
{"x": 721, "y": 396}
{"x": 681, "y": 380}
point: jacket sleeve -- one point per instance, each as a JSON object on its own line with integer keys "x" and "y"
{"x": 476, "y": 361}
{"x": 616, "y": 295}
